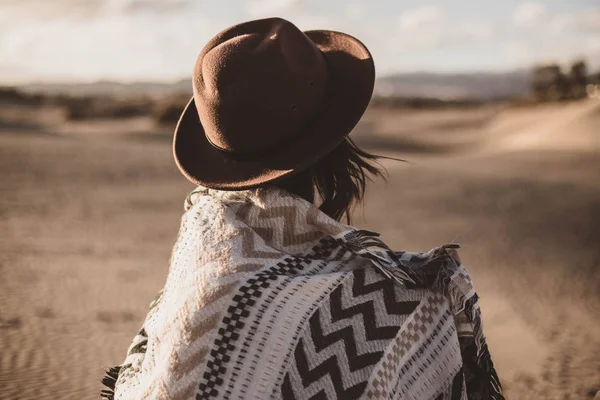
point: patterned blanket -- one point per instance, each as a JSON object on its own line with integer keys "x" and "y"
{"x": 269, "y": 298}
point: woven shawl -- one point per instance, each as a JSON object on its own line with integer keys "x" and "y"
{"x": 269, "y": 298}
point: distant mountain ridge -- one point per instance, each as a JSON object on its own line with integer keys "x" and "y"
{"x": 109, "y": 88}
{"x": 475, "y": 86}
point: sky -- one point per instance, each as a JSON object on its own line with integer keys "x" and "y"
{"x": 159, "y": 40}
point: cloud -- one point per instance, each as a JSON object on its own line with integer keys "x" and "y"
{"x": 587, "y": 21}
{"x": 270, "y": 8}
{"x": 299, "y": 12}
{"x": 555, "y": 37}
{"x": 113, "y": 45}
{"x": 426, "y": 17}
{"x": 47, "y": 10}
{"x": 470, "y": 33}
{"x": 529, "y": 14}
{"x": 563, "y": 52}
{"x": 310, "y": 22}
{"x": 425, "y": 28}
{"x": 537, "y": 17}
{"x": 354, "y": 12}
{"x": 160, "y": 39}
{"x": 161, "y": 6}
{"x": 591, "y": 19}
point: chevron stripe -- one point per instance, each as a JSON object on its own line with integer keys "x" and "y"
{"x": 182, "y": 368}
{"x": 274, "y": 328}
{"x": 226, "y": 341}
{"x": 248, "y": 267}
{"x": 194, "y": 332}
{"x": 285, "y": 224}
{"x": 186, "y": 367}
{"x": 249, "y": 246}
{"x": 251, "y": 310}
{"x": 422, "y": 324}
{"x": 329, "y": 369}
{"x": 191, "y": 331}
{"x": 346, "y": 338}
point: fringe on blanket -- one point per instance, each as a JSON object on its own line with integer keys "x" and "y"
{"x": 110, "y": 380}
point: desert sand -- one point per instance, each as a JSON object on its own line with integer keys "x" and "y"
{"x": 89, "y": 212}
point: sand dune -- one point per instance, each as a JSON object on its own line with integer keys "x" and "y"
{"x": 573, "y": 126}
{"x": 88, "y": 214}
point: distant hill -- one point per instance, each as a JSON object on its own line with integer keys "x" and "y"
{"x": 111, "y": 88}
{"x": 474, "y": 86}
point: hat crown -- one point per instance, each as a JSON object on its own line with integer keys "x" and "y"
{"x": 257, "y": 85}
{"x": 270, "y": 101}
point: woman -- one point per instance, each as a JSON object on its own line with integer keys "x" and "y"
{"x": 268, "y": 295}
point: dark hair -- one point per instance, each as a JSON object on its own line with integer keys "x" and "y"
{"x": 339, "y": 179}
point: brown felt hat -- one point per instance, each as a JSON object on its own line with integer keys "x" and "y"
{"x": 270, "y": 100}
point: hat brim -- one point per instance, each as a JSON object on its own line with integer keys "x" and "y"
{"x": 349, "y": 90}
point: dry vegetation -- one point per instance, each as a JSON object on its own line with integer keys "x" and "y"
{"x": 548, "y": 84}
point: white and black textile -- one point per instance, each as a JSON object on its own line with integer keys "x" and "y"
{"x": 269, "y": 298}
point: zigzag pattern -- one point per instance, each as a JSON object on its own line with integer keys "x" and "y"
{"x": 280, "y": 227}
{"x": 388, "y": 370}
{"x": 347, "y": 337}
{"x": 238, "y": 310}
{"x": 231, "y": 280}
{"x": 193, "y": 331}
{"x": 288, "y": 216}
{"x": 284, "y": 227}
